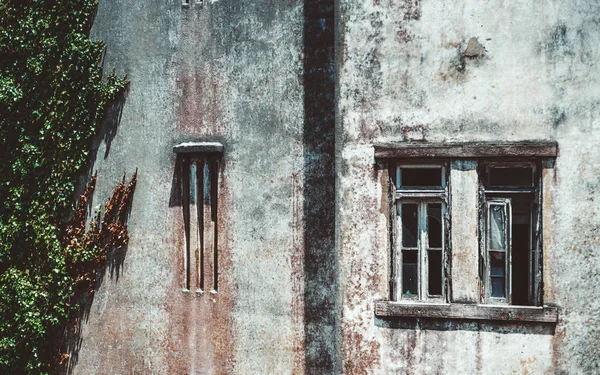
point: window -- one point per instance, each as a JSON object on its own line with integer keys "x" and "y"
{"x": 200, "y": 164}
{"x": 420, "y": 249}
{"x": 511, "y": 266}
{"x": 466, "y": 229}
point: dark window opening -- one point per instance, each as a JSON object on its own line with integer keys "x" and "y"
{"x": 434, "y": 225}
{"x": 409, "y": 225}
{"x": 510, "y": 177}
{"x": 420, "y": 177}
{"x": 435, "y": 272}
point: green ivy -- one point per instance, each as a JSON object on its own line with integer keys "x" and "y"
{"x": 52, "y": 99}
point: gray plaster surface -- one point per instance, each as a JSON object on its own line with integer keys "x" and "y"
{"x": 298, "y": 93}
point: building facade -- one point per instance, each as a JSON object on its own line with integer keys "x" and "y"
{"x": 352, "y": 187}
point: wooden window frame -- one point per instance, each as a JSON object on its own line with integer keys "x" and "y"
{"x": 492, "y": 195}
{"x": 422, "y": 197}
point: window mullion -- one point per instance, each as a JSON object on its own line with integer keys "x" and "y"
{"x": 423, "y": 243}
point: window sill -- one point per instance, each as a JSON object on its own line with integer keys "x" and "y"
{"x": 391, "y": 309}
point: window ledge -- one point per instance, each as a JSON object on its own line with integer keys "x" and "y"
{"x": 390, "y": 309}
{"x": 199, "y": 147}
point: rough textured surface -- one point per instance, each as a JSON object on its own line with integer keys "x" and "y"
{"x": 229, "y": 72}
{"x": 409, "y": 73}
{"x": 464, "y": 235}
{"x": 298, "y": 93}
{"x": 466, "y": 311}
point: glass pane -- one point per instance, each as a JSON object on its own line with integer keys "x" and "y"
{"x": 498, "y": 229}
{"x": 497, "y": 264}
{"x": 434, "y": 224}
{"x": 521, "y": 177}
{"x": 409, "y": 225}
{"x": 498, "y": 287}
{"x": 420, "y": 177}
{"x": 435, "y": 272}
{"x": 409, "y": 272}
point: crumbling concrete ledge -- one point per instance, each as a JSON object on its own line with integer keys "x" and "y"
{"x": 203, "y": 147}
{"x": 541, "y": 314}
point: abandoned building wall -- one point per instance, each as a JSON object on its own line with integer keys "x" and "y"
{"x": 231, "y": 72}
{"x": 432, "y": 71}
{"x": 289, "y": 87}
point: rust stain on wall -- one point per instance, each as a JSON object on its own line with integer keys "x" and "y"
{"x": 362, "y": 355}
{"x": 200, "y": 108}
{"x": 201, "y": 338}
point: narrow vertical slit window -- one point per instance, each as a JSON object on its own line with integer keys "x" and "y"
{"x": 200, "y": 176}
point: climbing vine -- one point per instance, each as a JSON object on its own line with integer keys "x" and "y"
{"x": 53, "y": 98}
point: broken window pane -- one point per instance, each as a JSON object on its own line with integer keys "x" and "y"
{"x": 497, "y": 227}
{"x": 409, "y": 225}
{"x": 434, "y": 225}
{"x": 410, "y": 272}
{"x": 421, "y": 177}
{"x": 435, "y": 272}
{"x": 512, "y": 176}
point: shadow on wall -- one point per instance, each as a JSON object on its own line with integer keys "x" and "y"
{"x": 112, "y": 120}
{"x": 414, "y": 324}
{"x": 321, "y": 316}
{"x": 110, "y": 236}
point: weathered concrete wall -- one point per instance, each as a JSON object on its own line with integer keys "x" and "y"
{"x": 405, "y": 76}
{"x": 230, "y": 71}
{"x": 298, "y": 92}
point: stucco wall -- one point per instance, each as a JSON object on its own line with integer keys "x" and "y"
{"x": 404, "y": 76}
{"x": 298, "y": 92}
{"x": 227, "y": 71}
